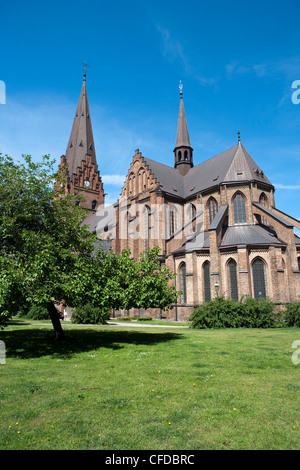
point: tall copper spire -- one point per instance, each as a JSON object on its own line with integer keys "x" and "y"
{"x": 183, "y": 150}
{"x": 81, "y": 142}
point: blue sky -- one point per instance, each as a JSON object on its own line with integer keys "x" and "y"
{"x": 237, "y": 61}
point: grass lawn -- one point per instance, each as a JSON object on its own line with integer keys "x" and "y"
{"x": 114, "y": 388}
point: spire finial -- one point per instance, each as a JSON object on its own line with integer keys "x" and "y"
{"x": 239, "y": 136}
{"x": 180, "y": 87}
{"x": 84, "y": 72}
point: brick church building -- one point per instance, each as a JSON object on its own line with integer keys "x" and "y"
{"x": 215, "y": 222}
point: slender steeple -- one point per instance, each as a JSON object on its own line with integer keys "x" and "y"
{"x": 81, "y": 142}
{"x": 80, "y": 158}
{"x": 183, "y": 150}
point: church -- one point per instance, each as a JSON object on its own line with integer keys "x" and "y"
{"x": 215, "y": 222}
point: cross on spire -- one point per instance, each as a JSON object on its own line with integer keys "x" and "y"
{"x": 84, "y": 72}
{"x": 180, "y": 87}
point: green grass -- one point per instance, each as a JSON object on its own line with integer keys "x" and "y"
{"x": 116, "y": 388}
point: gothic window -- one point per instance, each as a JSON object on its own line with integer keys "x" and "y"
{"x": 127, "y": 230}
{"x": 232, "y": 275}
{"x": 192, "y": 214}
{"x": 179, "y": 156}
{"x": 239, "y": 208}
{"x": 182, "y": 271}
{"x": 264, "y": 202}
{"x": 94, "y": 203}
{"x": 146, "y": 227}
{"x": 185, "y": 155}
{"x": 206, "y": 278}
{"x": 259, "y": 281}
{"x": 212, "y": 209}
{"x": 263, "y": 199}
{"x": 172, "y": 220}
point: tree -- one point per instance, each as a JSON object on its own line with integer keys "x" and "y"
{"x": 120, "y": 282}
{"x": 47, "y": 254}
{"x": 42, "y": 237}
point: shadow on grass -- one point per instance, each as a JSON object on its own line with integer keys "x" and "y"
{"x": 33, "y": 342}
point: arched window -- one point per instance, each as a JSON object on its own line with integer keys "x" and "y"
{"x": 299, "y": 263}
{"x": 212, "y": 209}
{"x": 146, "y": 227}
{"x": 185, "y": 155}
{"x": 239, "y": 209}
{"x": 259, "y": 281}
{"x": 192, "y": 214}
{"x": 94, "y": 203}
{"x": 172, "y": 220}
{"x": 182, "y": 271}
{"x": 127, "y": 230}
{"x": 179, "y": 156}
{"x": 263, "y": 200}
{"x": 232, "y": 275}
{"x": 206, "y": 278}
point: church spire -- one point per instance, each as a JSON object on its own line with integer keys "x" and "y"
{"x": 81, "y": 142}
{"x": 80, "y": 158}
{"x": 183, "y": 150}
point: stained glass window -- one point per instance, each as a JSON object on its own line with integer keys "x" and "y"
{"x": 259, "y": 282}
{"x": 183, "y": 282}
{"x": 212, "y": 209}
{"x": 206, "y": 275}
{"x": 233, "y": 280}
{"x": 239, "y": 208}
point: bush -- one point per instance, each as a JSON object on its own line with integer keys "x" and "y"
{"x": 292, "y": 314}
{"x": 90, "y": 314}
{"x": 37, "y": 312}
{"x": 227, "y": 313}
{"x": 257, "y": 313}
{"x": 218, "y": 313}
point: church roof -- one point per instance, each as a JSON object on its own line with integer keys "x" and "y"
{"x": 235, "y": 165}
{"x": 250, "y": 235}
{"x": 236, "y": 235}
{"x": 81, "y": 140}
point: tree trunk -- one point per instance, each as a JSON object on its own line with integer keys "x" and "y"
{"x": 59, "y": 333}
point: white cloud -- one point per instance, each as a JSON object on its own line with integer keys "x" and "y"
{"x": 173, "y": 50}
{"x": 113, "y": 179}
{"x": 287, "y": 186}
{"x": 289, "y": 68}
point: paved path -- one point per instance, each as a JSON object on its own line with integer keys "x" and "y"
{"x": 140, "y": 323}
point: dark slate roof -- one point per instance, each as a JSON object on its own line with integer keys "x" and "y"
{"x": 219, "y": 218}
{"x": 197, "y": 243}
{"x": 168, "y": 177}
{"x": 249, "y": 235}
{"x": 81, "y": 140}
{"x": 234, "y": 165}
{"x": 236, "y": 235}
{"x": 272, "y": 214}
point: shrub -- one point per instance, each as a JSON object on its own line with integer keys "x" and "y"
{"x": 37, "y": 312}
{"x": 90, "y": 314}
{"x": 292, "y": 314}
{"x": 227, "y": 313}
{"x": 257, "y": 313}
{"x": 217, "y": 313}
